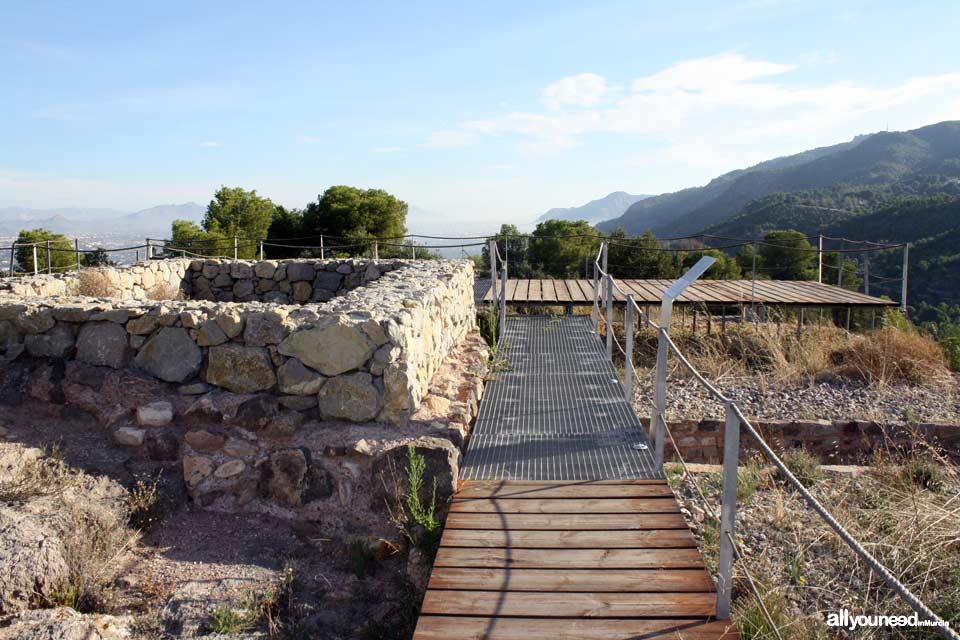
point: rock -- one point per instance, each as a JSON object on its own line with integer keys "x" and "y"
{"x": 33, "y": 560}
{"x": 103, "y": 344}
{"x": 232, "y": 322}
{"x": 265, "y": 269}
{"x": 64, "y": 623}
{"x": 170, "y": 355}
{"x": 257, "y": 412}
{"x": 196, "y": 469}
{"x": 155, "y": 414}
{"x": 34, "y": 320}
{"x": 193, "y": 389}
{"x": 240, "y": 369}
{"x": 143, "y": 326}
{"x": 301, "y": 292}
{"x": 187, "y": 613}
{"x": 418, "y": 570}
{"x": 56, "y": 343}
{"x": 204, "y": 441}
{"x": 239, "y": 448}
{"x": 295, "y": 379}
{"x": 351, "y": 397}
{"x": 230, "y": 469}
{"x": 241, "y": 270}
{"x": 331, "y": 349}
{"x": 328, "y": 280}
{"x": 298, "y": 403}
{"x": 319, "y": 484}
{"x": 297, "y": 271}
{"x": 268, "y": 327}
{"x": 211, "y": 334}
{"x": 286, "y": 473}
{"x": 129, "y": 436}
{"x": 243, "y": 289}
{"x": 442, "y": 460}
{"x": 162, "y": 445}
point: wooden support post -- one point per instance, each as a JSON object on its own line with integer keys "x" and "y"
{"x": 34, "y": 258}
{"x": 848, "y": 319}
{"x": 149, "y": 250}
{"x": 628, "y": 348}
{"x": 728, "y": 510}
{"x": 49, "y": 259}
{"x": 321, "y": 247}
{"x": 76, "y": 248}
{"x": 723, "y": 322}
{"x": 13, "y": 251}
{"x": 820, "y": 260}
{"x": 236, "y": 247}
{"x": 799, "y": 323}
{"x": 413, "y": 250}
{"x": 903, "y": 283}
{"x": 694, "y": 323}
{"x": 261, "y": 250}
{"x": 866, "y": 275}
{"x": 376, "y": 250}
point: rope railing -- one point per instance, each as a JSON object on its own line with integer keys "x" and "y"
{"x": 735, "y": 420}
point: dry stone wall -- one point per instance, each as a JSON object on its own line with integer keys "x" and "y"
{"x": 138, "y": 282}
{"x": 363, "y": 347}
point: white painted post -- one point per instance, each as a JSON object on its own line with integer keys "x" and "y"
{"x": 76, "y": 249}
{"x": 34, "y": 258}
{"x": 49, "y": 259}
{"x": 492, "y": 250}
{"x": 261, "y": 250}
{"x": 236, "y": 247}
{"x": 820, "y": 260}
{"x": 149, "y": 250}
{"x": 413, "y": 249}
{"x": 628, "y": 347}
{"x": 728, "y": 511}
{"x": 596, "y": 299}
{"x": 321, "y": 247}
{"x": 376, "y": 250}
{"x": 13, "y": 251}
{"x": 903, "y": 284}
{"x": 609, "y": 316}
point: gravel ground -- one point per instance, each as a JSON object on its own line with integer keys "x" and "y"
{"x": 834, "y": 399}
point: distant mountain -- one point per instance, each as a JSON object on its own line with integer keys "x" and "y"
{"x": 609, "y": 206}
{"x": 875, "y": 159}
{"x": 154, "y": 221}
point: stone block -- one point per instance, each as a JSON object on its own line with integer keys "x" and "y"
{"x": 170, "y": 355}
{"x": 240, "y": 369}
{"x": 155, "y": 414}
{"x": 103, "y": 344}
{"x": 331, "y": 349}
{"x": 351, "y": 396}
{"x": 295, "y": 379}
{"x": 129, "y": 436}
{"x": 56, "y": 343}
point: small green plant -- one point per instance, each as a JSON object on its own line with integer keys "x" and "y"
{"x": 795, "y": 564}
{"x": 361, "y": 557}
{"x": 803, "y": 465}
{"x": 227, "y": 619}
{"x": 422, "y": 514}
{"x": 910, "y": 415}
{"x": 143, "y": 502}
{"x": 922, "y": 473}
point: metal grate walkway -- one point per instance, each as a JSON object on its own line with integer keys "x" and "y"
{"x": 557, "y": 412}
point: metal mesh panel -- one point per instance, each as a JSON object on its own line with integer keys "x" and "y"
{"x": 557, "y": 412}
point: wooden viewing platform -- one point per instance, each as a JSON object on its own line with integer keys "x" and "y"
{"x": 711, "y": 292}
{"x": 565, "y": 560}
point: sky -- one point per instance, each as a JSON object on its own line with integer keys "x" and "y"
{"x": 474, "y": 113}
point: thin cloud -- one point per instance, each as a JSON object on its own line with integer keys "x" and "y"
{"x": 210, "y": 144}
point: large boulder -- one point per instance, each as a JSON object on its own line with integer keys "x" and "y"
{"x": 298, "y": 380}
{"x": 170, "y": 355}
{"x": 352, "y": 397}
{"x": 64, "y": 623}
{"x": 331, "y": 348}
{"x": 240, "y": 369}
{"x": 56, "y": 343}
{"x": 33, "y": 560}
{"x": 103, "y": 344}
{"x": 285, "y": 476}
{"x": 188, "y": 612}
{"x": 267, "y": 327}
{"x": 442, "y": 462}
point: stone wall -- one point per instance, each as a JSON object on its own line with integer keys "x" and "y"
{"x": 366, "y": 354}
{"x": 834, "y": 442}
{"x": 140, "y": 281}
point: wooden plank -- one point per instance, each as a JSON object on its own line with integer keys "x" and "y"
{"x": 587, "y": 505}
{"x": 568, "y": 605}
{"x": 511, "y": 290}
{"x": 573, "y": 580}
{"x": 534, "y": 293}
{"x": 577, "y": 291}
{"x": 566, "y": 521}
{"x": 548, "y": 290}
{"x": 563, "y": 291}
{"x": 523, "y": 289}
{"x": 568, "y": 558}
{"x": 542, "y": 491}
{"x": 477, "y": 628}
{"x": 520, "y": 539}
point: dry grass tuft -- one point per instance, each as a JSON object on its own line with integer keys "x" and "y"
{"x": 94, "y": 283}
{"x": 164, "y": 291}
{"x": 892, "y": 355}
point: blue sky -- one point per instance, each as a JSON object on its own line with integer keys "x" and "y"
{"x": 474, "y": 113}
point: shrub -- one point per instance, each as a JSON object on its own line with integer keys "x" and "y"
{"x": 164, "y": 291}
{"x": 892, "y": 355}
{"x": 803, "y": 465}
{"x": 95, "y": 284}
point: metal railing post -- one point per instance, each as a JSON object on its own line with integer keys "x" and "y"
{"x": 492, "y": 250}
{"x": 903, "y": 284}
{"x": 503, "y": 301}
{"x": 149, "y": 250}
{"x": 76, "y": 249}
{"x": 658, "y": 419}
{"x": 376, "y": 250}
{"x": 321, "y": 247}
{"x": 728, "y": 510}
{"x": 596, "y": 298}
{"x": 49, "y": 259}
{"x": 236, "y": 243}
{"x": 261, "y": 250}
{"x": 13, "y": 251}
{"x": 628, "y": 347}
{"x": 34, "y": 258}
{"x": 820, "y": 260}
{"x": 609, "y": 317}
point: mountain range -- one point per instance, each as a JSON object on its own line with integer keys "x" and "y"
{"x": 154, "y": 221}
{"x": 610, "y": 206}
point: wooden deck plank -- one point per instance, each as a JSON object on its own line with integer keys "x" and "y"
{"x": 533, "y": 294}
{"x": 483, "y": 628}
{"x": 603, "y": 539}
{"x": 568, "y": 558}
{"x": 567, "y": 605}
{"x": 567, "y": 521}
{"x": 573, "y": 580}
{"x": 656, "y": 489}
{"x": 584, "y": 505}
{"x": 548, "y": 289}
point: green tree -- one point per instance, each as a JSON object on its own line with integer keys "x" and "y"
{"x": 640, "y": 257}
{"x": 234, "y": 211}
{"x": 850, "y": 279}
{"x": 563, "y": 248}
{"x": 62, "y": 251}
{"x": 352, "y": 216}
{"x": 191, "y": 237}
{"x": 512, "y": 246}
{"x": 97, "y": 258}
{"x": 725, "y": 268}
{"x": 286, "y": 228}
{"x": 788, "y": 256}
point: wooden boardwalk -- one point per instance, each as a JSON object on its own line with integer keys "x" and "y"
{"x": 713, "y": 292}
{"x": 565, "y": 560}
